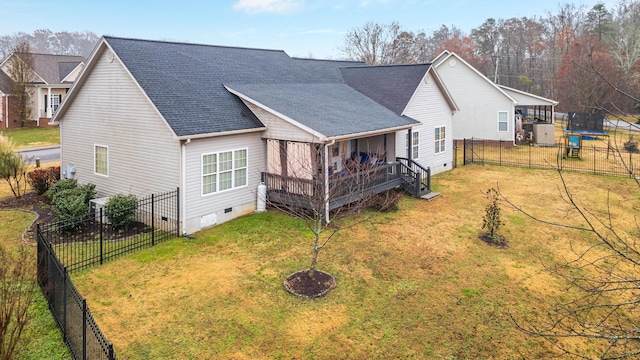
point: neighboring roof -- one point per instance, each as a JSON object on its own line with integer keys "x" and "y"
{"x": 332, "y": 110}
{"x": 390, "y": 85}
{"x": 53, "y": 68}
{"x": 524, "y": 98}
{"x": 6, "y": 84}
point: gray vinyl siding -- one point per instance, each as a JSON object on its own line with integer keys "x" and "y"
{"x": 429, "y": 106}
{"x": 278, "y": 128}
{"x": 110, "y": 110}
{"x": 241, "y": 200}
{"x": 479, "y": 102}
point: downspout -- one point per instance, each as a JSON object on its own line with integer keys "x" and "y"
{"x": 326, "y": 179}
{"x": 183, "y": 183}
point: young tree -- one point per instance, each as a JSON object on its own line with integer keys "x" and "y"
{"x": 21, "y": 72}
{"x": 17, "y": 291}
{"x": 327, "y": 203}
{"x": 13, "y": 168}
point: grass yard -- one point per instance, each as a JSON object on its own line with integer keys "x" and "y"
{"x": 42, "y": 334}
{"x": 33, "y": 137}
{"x": 417, "y": 283}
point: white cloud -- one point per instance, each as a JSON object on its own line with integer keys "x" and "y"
{"x": 267, "y": 6}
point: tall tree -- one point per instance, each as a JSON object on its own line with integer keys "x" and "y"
{"x": 599, "y": 21}
{"x": 377, "y": 44}
{"x": 20, "y": 70}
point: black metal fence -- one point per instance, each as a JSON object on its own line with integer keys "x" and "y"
{"x": 94, "y": 240}
{"x": 64, "y": 247}
{"x": 69, "y": 309}
{"x": 594, "y": 159}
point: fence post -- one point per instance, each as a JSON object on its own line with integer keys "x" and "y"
{"x": 153, "y": 221}
{"x": 594, "y": 159}
{"x": 64, "y": 304}
{"x": 500, "y": 151}
{"x": 84, "y": 329}
{"x": 178, "y": 211}
{"x": 101, "y": 250}
{"x": 464, "y": 152}
{"x": 110, "y": 354}
{"x": 529, "y": 155}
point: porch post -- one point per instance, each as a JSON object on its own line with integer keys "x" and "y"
{"x": 49, "y": 102}
{"x": 409, "y": 143}
{"x": 326, "y": 180}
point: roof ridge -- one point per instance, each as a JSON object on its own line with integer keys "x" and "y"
{"x": 175, "y": 42}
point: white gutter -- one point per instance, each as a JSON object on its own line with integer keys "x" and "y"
{"x": 223, "y": 133}
{"x": 370, "y": 133}
{"x": 183, "y": 183}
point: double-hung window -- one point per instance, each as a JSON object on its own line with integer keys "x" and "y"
{"x": 224, "y": 170}
{"x": 503, "y": 121}
{"x": 101, "y": 160}
{"x": 440, "y": 139}
{"x": 414, "y": 144}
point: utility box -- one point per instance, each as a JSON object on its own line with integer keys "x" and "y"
{"x": 95, "y": 205}
{"x": 544, "y": 134}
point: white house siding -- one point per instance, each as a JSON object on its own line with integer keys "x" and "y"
{"x": 207, "y": 210}
{"x": 479, "y": 102}
{"x": 429, "y": 106}
{"x": 110, "y": 110}
{"x": 278, "y": 128}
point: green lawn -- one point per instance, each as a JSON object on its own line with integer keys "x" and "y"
{"x": 32, "y": 137}
{"x": 417, "y": 283}
{"x": 41, "y": 336}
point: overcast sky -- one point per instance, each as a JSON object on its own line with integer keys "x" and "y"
{"x": 302, "y": 28}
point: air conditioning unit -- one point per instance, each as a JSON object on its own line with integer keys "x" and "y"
{"x": 95, "y": 205}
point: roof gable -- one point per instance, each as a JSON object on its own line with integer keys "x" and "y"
{"x": 390, "y": 85}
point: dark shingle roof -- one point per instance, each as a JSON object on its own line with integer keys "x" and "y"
{"x": 185, "y": 83}
{"x": 6, "y": 84}
{"x": 330, "y": 109}
{"x": 53, "y": 68}
{"x": 392, "y": 86}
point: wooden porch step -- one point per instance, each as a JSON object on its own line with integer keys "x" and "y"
{"x": 430, "y": 196}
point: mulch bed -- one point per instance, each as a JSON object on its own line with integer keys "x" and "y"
{"x": 41, "y": 205}
{"x": 314, "y": 285}
{"x": 498, "y": 241}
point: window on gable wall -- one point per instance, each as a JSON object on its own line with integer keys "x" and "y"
{"x": 223, "y": 171}
{"x": 440, "y": 138}
{"x": 503, "y": 121}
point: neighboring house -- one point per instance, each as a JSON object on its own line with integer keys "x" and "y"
{"x": 52, "y": 76}
{"x": 487, "y": 110}
{"x": 150, "y": 116}
{"x": 415, "y": 91}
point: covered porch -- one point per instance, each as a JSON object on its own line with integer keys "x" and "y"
{"x": 339, "y": 172}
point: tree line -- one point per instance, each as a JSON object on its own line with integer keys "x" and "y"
{"x": 574, "y": 55}
{"x": 45, "y": 41}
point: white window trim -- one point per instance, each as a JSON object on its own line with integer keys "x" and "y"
{"x": 440, "y": 140}
{"x": 233, "y": 169}
{"x": 410, "y": 145}
{"x": 95, "y": 147}
{"x": 507, "y": 121}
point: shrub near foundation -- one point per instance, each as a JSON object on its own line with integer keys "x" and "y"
{"x": 121, "y": 210}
